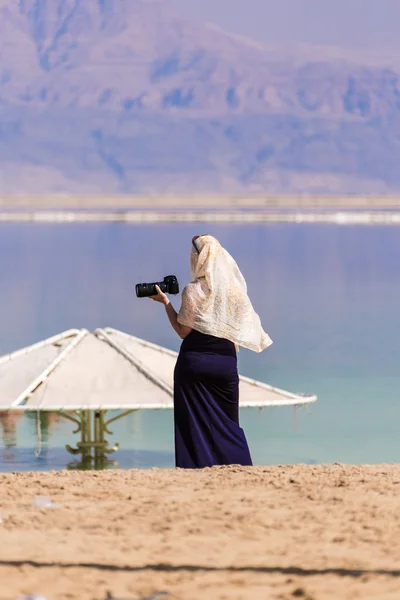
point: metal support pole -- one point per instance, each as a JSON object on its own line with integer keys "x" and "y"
{"x": 100, "y": 445}
{"x": 97, "y": 442}
{"x": 86, "y": 435}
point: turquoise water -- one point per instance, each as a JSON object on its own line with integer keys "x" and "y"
{"x": 328, "y": 296}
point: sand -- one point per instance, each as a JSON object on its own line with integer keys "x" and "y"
{"x": 310, "y": 532}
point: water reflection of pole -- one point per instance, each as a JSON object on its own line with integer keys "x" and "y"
{"x": 8, "y": 421}
{"x": 44, "y": 421}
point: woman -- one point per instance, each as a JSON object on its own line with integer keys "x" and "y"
{"x": 216, "y": 317}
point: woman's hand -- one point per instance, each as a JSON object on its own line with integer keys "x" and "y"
{"x": 181, "y": 330}
{"x": 161, "y": 297}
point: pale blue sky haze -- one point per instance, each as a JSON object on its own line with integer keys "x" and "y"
{"x": 349, "y": 24}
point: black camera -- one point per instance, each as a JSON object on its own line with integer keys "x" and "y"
{"x": 170, "y": 285}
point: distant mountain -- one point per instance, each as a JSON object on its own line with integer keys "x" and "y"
{"x": 127, "y": 96}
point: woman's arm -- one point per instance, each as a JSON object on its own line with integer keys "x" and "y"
{"x": 181, "y": 330}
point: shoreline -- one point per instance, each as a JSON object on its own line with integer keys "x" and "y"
{"x": 234, "y": 533}
{"x": 164, "y": 202}
{"x": 343, "y": 217}
{"x": 357, "y": 210}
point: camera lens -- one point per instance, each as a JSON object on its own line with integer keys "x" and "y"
{"x": 142, "y": 290}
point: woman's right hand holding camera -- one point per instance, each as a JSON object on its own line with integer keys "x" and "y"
{"x": 181, "y": 330}
{"x": 160, "y": 297}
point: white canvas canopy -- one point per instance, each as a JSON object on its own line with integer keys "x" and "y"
{"x": 80, "y": 372}
{"x": 106, "y": 370}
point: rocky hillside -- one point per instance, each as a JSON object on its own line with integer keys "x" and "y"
{"x": 127, "y": 96}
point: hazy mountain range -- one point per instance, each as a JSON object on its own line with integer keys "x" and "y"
{"x": 127, "y": 96}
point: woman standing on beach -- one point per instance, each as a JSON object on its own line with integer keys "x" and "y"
{"x": 216, "y": 317}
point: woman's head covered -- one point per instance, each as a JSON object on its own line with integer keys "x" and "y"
{"x": 216, "y": 302}
{"x": 203, "y": 247}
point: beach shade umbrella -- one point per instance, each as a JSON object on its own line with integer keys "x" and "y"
{"x": 83, "y": 374}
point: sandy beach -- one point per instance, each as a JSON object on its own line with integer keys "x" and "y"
{"x": 311, "y": 532}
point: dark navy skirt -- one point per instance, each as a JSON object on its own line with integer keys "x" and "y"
{"x": 206, "y": 402}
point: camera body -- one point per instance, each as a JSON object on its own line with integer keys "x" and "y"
{"x": 169, "y": 285}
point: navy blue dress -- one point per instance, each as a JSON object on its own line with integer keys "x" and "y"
{"x": 206, "y": 402}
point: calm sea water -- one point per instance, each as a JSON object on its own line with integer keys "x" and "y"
{"x": 328, "y": 295}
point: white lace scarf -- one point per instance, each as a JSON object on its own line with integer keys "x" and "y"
{"x": 216, "y": 302}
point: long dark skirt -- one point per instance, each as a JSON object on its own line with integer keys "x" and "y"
{"x": 206, "y": 401}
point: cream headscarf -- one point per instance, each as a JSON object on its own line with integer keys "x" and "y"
{"x": 216, "y": 302}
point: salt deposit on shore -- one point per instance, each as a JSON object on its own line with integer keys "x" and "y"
{"x": 193, "y": 201}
